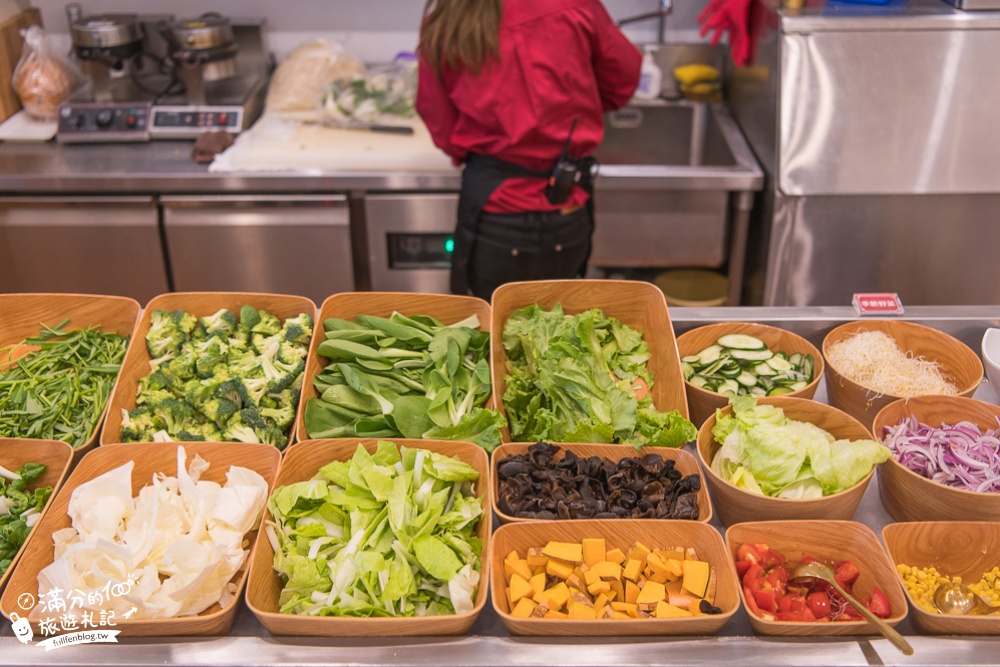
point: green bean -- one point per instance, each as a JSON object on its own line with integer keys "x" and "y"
{"x": 58, "y": 392}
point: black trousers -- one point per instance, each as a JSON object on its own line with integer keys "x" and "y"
{"x": 528, "y": 246}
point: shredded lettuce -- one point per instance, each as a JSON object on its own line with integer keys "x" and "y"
{"x": 765, "y": 452}
{"x": 389, "y": 533}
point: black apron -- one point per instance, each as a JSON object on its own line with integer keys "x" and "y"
{"x": 482, "y": 175}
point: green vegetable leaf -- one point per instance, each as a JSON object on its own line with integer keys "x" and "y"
{"x": 435, "y": 557}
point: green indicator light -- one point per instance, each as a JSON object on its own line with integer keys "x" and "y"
{"x": 449, "y": 245}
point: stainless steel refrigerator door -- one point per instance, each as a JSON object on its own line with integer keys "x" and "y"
{"x": 97, "y": 245}
{"x": 294, "y": 244}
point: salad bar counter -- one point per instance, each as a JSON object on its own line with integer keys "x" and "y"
{"x": 641, "y": 585}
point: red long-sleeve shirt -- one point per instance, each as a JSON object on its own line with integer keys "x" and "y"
{"x": 559, "y": 59}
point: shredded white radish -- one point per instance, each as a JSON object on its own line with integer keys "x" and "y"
{"x": 873, "y": 360}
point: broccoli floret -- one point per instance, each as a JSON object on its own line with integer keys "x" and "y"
{"x": 282, "y": 416}
{"x": 210, "y": 353}
{"x": 253, "y": 390}
{"x": 222, "y": 323}
{"x": 186, "y": 322}
{"x": 152, "y": 397}
{"x": 231, "y": 390}
{"x": 176, "y": 415}
{"x": 272, "y": 435}
{"x": 268, "y": 325}
{"x": 219, "y": 410}
{"x": 240, "y": 339}
{"x": 292, "y": 352}
{"x": 298, "y": 329}
{"x": 163, "y": 337}
{"x": 245, "y": 363}
{"x": 156, "y": 380}
{"x": 138, "y": 425}
{"x": 284, "y": 397}
{"x": 181, "y": 368}
{"x": 188, "y": 436}
{"x": 266, "y": 346}
{"x": 293, "y": 368}
{"x": 206, "y": 431}
{"x": 239, "y": 429}
{"x": 249, "y": 318}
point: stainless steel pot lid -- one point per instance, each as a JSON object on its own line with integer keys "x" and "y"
{"x": 204, "y": 33}
{"x": 106, "y": 31}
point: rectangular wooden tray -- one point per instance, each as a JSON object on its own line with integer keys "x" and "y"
{"x": 199, "y": 304}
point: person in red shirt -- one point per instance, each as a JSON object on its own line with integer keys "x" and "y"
{"x": 506, "y": 87}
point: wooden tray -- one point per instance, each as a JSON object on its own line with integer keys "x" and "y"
{"x": 55, "y": 455}
{"x": 908, "y": 496}
{"x": 735, "y": 505}
{"x": 957, "y": 360}
{"x": 702, "y": 402}
{"x": 684, "y": 461}
{"x": 637, "y": 304}
{"x": 199, "y": 304}
{"x": 149, "y": 458}
{"x": 955, "y": 548}
{"x": 349, "y": 305}
{"x": 22, "y": 314}
{"x": 621, "y": 533}
{"x": 828, "y": 541}
{"x": 300, "y": 464}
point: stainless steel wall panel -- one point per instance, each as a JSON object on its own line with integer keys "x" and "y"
{"x": 893, "y": 112}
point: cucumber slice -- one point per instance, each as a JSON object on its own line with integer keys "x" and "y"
{"x": 687, "y": 369}
{"x": 764, "y": 368}
{"x": 741, "y": 342}
{"x": 798, "y": 386}
{"x": 779, "y": 364}
{"x": 731, "y": 386}
{"x": 796, "y": 359}
{"x": 690, "y": 359}
{"x": 807, "y": 368}
{"x": 730, "y": 369}
{"x": 779, "y": 391}
{"x": 758, "y": 391}
{"x": 713, "y": 368}
{"x": 698, "y": 380}
{"x": 747, "y": 379}
{"x": 751, "y": 355}
{"x": 709, "y": 355}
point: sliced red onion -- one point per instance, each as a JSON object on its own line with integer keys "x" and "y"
{"x": 960, "y": 455}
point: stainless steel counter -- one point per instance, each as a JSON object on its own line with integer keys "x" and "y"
{"x": 490, "y": 645}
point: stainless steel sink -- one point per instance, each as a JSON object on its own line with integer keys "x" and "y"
{"x": 691, "y": 144}
{"x": 675, "y": 187}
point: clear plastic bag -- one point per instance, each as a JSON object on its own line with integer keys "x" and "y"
{"x": 43, "y": 78}
{"x": 382, "y": 93}
{"x": 304, "y": 75}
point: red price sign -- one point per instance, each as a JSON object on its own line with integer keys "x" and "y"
{"x": 877, "y": 303}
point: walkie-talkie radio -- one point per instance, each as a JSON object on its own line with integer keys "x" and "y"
{"x": 565, "y": 174}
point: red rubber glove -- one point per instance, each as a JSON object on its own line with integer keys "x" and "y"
{"x": 732, "y": 17}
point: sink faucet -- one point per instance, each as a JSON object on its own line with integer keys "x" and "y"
{"x": 666, "y": 6}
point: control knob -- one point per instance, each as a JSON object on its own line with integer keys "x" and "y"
{"x": 104, "y": 117}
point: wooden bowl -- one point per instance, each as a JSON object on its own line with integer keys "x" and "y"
{"x": 684, "y": 461}
{"x": 957, "y": 361}
{"x": 620, "y": 533}
{"x": 702, "y": 402}
{"x": 300, "y": 464}
{"x": 445, "y": 308}
{"x": 908, "y": 496}
{"x": 199, "y": 304}
{"x": 955, "y": 548}
{"x": 735, "y": 505}
{"x": 55, "y": 455}
{"x": 149, "y": 458}
{"x": 22, "y": 315}
{"x": 829, "y": 541}
{"x": 637, "y": 304}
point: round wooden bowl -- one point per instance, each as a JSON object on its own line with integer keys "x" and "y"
{"x": 703, "y": 403}
{"x": 828, "y": 541}
{"x": 957, "y": 360}
{"x": 735, "y": 505}
{"x": 909, "y": 496}
{"x": 965, "y": 549}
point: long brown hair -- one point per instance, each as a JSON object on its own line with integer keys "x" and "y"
{"x": 460, "y": 33}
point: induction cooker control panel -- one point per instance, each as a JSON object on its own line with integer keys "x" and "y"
{"x": 113, "y": 121}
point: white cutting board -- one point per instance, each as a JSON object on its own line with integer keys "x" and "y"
{"x": 280, "y": 144}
